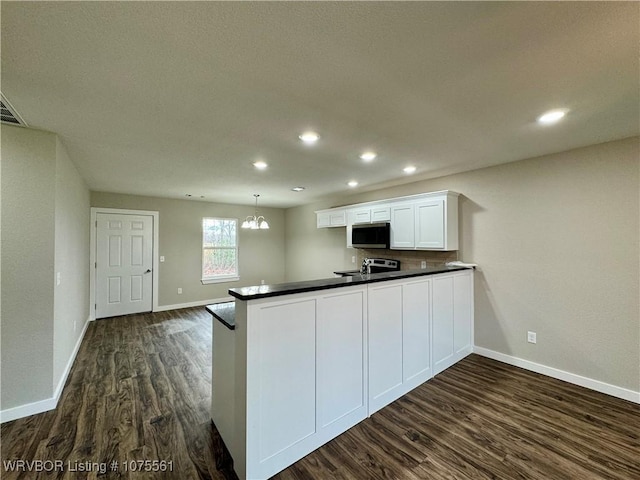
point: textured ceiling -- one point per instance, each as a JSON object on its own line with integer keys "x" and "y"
{"x": 169, "y": 98}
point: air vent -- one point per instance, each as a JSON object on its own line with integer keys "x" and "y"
{"x": 8, "y": 114}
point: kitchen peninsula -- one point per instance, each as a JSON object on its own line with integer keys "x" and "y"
{"x": 308, "y": 360}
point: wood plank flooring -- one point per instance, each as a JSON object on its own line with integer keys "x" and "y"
{"x": 140, "y": 390}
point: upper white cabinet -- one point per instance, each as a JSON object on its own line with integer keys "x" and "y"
{"x": 334, "y": 217}
{"x": 403, "y": 226}
{"x": 426, "y": 223}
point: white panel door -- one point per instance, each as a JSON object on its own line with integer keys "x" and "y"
{"x": 385, "y": 345}
{"x": 430, "y": 224}
{"x": 416, "y": 323}
{"x": 124, "y": 259}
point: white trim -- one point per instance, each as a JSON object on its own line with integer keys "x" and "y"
{"x": 63, "y": 379}
{"x": 598, "y": 386}
{"x": 199, "y": 303}
{"x": 50, "y": 403}
{"x": 92, "y": 254}
{"x": 28, "y": 409}
{"x": 208, "y": 281}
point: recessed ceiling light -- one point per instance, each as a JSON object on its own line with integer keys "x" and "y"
{"x": 552, "y": 116}
{"x": 260, "y": 164}
{"x": 409, "y": 169}
{"x": 297, "y": 189}
{"x": 309, "y": 137}
{"x": 368, "y": 156}
{"x": 353, "y": 183}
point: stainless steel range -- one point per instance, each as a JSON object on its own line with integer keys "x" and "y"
{"x": 378, "y": 265}
{"x": 372, "y": 265}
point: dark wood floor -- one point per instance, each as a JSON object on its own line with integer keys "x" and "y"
{"x": 140, "y": 390}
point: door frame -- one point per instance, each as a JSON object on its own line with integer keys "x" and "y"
{"x": 92, "y": 254}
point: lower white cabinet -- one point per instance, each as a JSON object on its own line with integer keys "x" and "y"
{"x": 452, "y": 318}
{"x": 306, "y": 378}
{"x": 399, "y": 339}
{"x": 300, "y": 369}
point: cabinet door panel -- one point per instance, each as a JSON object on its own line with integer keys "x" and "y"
{"x": 402, "y": 226}
{"x": 385, "y": 343}
{"x": 380, "y": 214}
{"x": 284, "y": 366}
{"x": 442, "y": 322}
{"x": 416, "y": 312}
{"x": 341, "y": 369}
{"x": 462, "y": 311}
{"x": 430, "y": 224}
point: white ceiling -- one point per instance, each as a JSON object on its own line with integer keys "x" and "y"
{"x": 170, "y": 98}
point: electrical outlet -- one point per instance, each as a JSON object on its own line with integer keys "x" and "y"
{"x": 179, "y": 291}
{"x": 423, "y": 264}
{"x": 353, "y": 259}
{"x": 75, "y": 326}
{"x": 161, "y": 258}
{"x": 261, "y": 282}
{"x": 58, "y": 278}
{"x": 531, "y": 337}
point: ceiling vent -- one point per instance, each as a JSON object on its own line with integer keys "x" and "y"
{"x": 9, "y": 114}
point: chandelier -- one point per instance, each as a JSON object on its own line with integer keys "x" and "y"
{"x": 256, "y": 222}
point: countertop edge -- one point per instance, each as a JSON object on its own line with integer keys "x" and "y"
{"x": 331, "y": 283}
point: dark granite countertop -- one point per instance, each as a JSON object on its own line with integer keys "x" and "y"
{"x": 225, "y": 313}
{"x": 277, "y": 289}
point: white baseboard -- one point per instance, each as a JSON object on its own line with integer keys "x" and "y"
{"x": 49, "y": 403}
{"x": 72, "y": 358}
{"x": 598, "y": 386}
{"x": 199, "y": 303}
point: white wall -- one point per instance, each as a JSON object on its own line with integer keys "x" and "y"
{"x": 28, "y": 212}
{"x": 45, "y": 226}
{"x": 557, "y": 240}
{"x": 71, "y": 297}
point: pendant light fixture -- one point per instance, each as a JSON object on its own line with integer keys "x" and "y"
{"x": 256, "y": 222}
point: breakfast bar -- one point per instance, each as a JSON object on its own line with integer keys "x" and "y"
{"x": 305, "y": 361}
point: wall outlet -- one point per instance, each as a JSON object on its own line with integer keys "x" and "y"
{"x": 179, "y": 291}
{"x": 75, "y": 326}
{"x": 161, "y": 258}
{"x": 58, "y": 278}
{"x": 261, "y": 282}
{"x": 531, "y": 337}
{"x": 423, "y": 264}
{"x": 353, "y": 259}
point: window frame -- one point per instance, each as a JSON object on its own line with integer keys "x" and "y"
{"x": 219, "y": 278}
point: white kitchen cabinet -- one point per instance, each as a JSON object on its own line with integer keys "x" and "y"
{"x": 341, "y": 371}
{"x": 380, "y": 214}
{"x": 429, "y": 222}
{"x": 335, "y": 217}
{"x": 377, "y": 214}
{"x": 305, "y": 376}
{"x": 452, "y": 318}
{"x": 399, "y": 339}
{"x": 403, "y": 226}
{"x": 362, "y": 215}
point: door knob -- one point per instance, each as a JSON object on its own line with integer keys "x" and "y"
{"x": 148, "y": 270}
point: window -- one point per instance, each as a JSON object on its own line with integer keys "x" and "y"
{"x": 219, "y": 250}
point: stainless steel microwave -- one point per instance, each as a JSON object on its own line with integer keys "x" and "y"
{"x": 371, "y": 235}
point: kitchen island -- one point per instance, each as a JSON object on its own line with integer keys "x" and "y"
{"x": 308, "y": 360}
